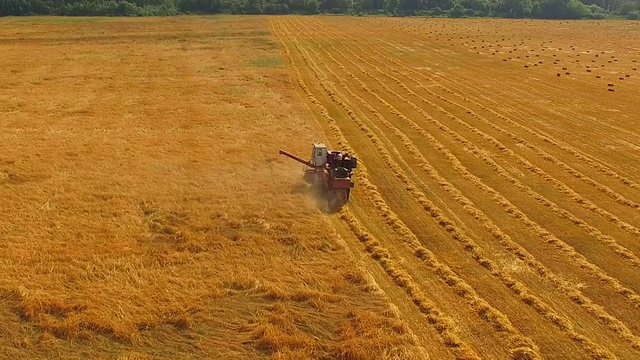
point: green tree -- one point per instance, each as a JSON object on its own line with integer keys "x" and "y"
{"x": 478, "y": 7}
{"x": 514, "y": 8}
{"x": 254, "y": 7}
{"x": 276, "y": 8}
{"x": 441, "y": 4}
{"x": 411, "y": 5}
{"x": 391, "y": 6}
{"x": 623, "y": 8}
{"x": 126, "y": 8}
{"x": 457, "y": 11}
{"x": 562, "y": 9}
{"x": 312, "y": 6}
{"x": 336, "y": 6}
{"x": 15, "y": 7}
{"x": 200, "y": 6}
{"x": 368, "y": 5}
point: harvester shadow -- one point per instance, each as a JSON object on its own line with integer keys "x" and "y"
{"x": 319, "y": 196}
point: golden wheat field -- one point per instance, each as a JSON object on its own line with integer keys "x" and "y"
{"x": 146, "y": 213}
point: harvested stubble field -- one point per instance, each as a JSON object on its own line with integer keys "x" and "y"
{"x": 146, "y": 214}
{"x": 500, "y": 190}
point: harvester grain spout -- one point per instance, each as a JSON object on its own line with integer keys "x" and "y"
{"x": 298, "y": 159}
{"x": 331, "y": 171}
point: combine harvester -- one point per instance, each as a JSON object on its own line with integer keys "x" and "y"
{"x": 329, "y": 171}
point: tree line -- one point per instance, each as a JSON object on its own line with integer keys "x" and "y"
{"x": 547, "y": 9}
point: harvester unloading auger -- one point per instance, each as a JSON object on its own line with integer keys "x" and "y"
{"x": 330, "y": 171}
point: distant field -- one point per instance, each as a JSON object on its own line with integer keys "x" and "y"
{"x": 146, "y": 213}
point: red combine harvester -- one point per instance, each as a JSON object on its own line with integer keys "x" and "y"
{"x": 330, "y": 171}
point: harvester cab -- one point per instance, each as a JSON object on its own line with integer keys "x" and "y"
{"x": 319, "y": 155}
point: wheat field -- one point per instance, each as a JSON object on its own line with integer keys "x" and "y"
{"x": 146, "y": 213}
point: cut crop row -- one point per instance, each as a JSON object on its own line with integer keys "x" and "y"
{"x": 574, "y": 294}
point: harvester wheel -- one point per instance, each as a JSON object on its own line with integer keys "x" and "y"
{"x": 337, "y": 199}
{"x": 309, "y": 176}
